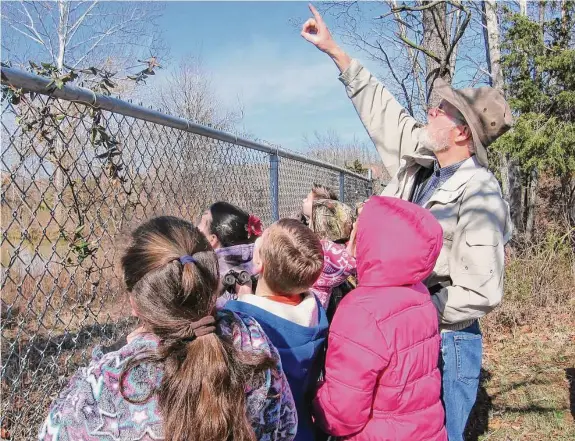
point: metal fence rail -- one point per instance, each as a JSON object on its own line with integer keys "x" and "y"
{"x": 79, "y": 170}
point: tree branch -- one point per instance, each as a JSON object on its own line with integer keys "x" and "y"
{"x": 460, "y": 32}
{"x": 404, "y": 8}
{"x": 399, "y": 82}
{"x": 31, "y": 37}
{"x": 72, "y": 30}
{"x": 419, "y": 48}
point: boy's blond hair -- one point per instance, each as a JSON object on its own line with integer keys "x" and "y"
{"x": 292, "y": 257}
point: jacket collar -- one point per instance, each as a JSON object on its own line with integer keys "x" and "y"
{"x": 426, "y": 159}
{"x": 462, "y": 175}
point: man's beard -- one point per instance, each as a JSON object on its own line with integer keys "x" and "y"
{"x": 438, "y": 142}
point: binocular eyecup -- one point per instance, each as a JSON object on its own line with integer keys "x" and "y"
{"x": 234, "y": 277}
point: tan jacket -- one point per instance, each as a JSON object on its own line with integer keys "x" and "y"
{"x": 469, "y": 206}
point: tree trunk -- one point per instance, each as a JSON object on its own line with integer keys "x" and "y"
{"x": 435, "y": 40}
{"x": 531, "y": 203}
{"x": 59, "y": 147}
{"x": 509, "y": 170}
{"x": 523, "y": 7}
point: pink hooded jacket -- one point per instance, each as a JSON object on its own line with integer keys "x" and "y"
{"x": 382, "y": 381}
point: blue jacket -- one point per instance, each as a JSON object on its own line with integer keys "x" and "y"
{"x": 300, "y": 348}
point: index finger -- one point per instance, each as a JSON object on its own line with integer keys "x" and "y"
{"x": 315, "y": 13}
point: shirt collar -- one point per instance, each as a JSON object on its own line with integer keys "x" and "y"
{"x": 447, "y": 172}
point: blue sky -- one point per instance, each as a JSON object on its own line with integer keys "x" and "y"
{"x": 254, "y": 52}
{"x": 255, "y": 56}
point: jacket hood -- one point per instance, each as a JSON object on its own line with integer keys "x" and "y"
{"x": 397, "y": 243}
{"x": 297, "y": 344}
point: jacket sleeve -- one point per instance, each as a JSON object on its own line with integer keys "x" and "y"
{"x": 393, "y": 131}
{"x": 476, "y": 262}
{"x": 357, "y": 354}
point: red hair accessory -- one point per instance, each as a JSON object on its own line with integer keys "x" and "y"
{"x": 254, "y": 226}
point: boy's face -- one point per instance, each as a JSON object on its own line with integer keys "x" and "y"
{"x": 308, "y": 204}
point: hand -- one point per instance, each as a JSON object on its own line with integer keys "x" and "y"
{"x": 244, "y": 289}
{"x": 316, "y": 32}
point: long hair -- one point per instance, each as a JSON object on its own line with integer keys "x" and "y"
{"x": 202, "y": 392}
{"x": 229, "y": 224}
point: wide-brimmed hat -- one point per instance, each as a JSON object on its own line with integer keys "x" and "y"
{"x": 485, "y": 110}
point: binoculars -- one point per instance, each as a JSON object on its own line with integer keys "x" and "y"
{"x": 232, "y": 277}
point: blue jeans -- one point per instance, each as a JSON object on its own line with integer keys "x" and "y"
{"x": 460, "y": 364}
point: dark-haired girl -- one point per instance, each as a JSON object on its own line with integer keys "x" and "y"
{"x": 189, "y": 373}
{"x": 232, "y": 233}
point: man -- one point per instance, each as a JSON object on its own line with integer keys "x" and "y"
{"x": 443, "y": 167}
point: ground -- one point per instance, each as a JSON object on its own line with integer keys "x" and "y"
{"x": 528, "y": 385}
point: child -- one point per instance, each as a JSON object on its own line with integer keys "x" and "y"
{"x": 332, "y": 221}
{"x": 288, "y": 258}
{"x": 381, "y": 380}
{"x": 231, "y": 233}
{"x": 188, "y": 374}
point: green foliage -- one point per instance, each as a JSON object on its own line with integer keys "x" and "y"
{"x": 356, "y": 166}
{"x": 539, "y": 67}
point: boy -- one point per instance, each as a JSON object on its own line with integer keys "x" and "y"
{"x": 288, "y": 258}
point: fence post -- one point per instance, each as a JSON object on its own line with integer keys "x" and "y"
{"x": 342, "y": 186}
{"x": 274, "y": 186}
{"x": 370, "y": 183}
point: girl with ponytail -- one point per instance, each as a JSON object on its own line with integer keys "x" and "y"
{"x": 190, "y": 373}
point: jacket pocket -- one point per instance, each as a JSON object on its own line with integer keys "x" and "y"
{"x": 468, "y": 353}
{"x": 479, "y": 259}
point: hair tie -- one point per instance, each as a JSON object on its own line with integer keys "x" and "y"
{"x": 254, "y": 226}
{"x": 187, "y": 259}
{"x": 204, "y": 326}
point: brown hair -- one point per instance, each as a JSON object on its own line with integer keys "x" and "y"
{"x": 323, "y": 192}
{"x": 292, "y": 257}
{"x": 202, "y": 392}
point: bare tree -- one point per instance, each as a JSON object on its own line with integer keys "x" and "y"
{"x": 415, "y": 42}
{"x": 83, "y": 33}
{"x": 75, "y": 35}
{"x": 189, "y": 93}
{"x": 330, "y": 147}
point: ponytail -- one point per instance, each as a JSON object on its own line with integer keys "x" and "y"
{"x": 172, "y": 276}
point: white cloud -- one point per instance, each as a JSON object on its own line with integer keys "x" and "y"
{"x": 263, "y": 74}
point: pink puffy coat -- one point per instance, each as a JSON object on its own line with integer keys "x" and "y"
{"x": 382, "y": 381}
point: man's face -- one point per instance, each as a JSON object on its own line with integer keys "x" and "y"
{"x": 308, "y": 204}
{"x": 441, "y": 128}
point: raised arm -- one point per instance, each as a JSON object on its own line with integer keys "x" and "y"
{"x": 392, "y": 129}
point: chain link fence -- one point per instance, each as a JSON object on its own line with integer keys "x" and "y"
{"x": 78, "y": 171}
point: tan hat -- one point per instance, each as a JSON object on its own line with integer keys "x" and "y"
{"x": 484, "y": 109}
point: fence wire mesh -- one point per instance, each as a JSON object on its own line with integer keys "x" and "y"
{"x": 74, "y": 181}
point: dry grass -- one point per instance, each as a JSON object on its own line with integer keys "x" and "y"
{"x": 528, "y": 382}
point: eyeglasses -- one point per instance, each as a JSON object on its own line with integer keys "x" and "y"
{"x": 451, "y": 112}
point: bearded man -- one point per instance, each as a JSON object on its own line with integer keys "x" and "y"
{"x": 442, "y": 166}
